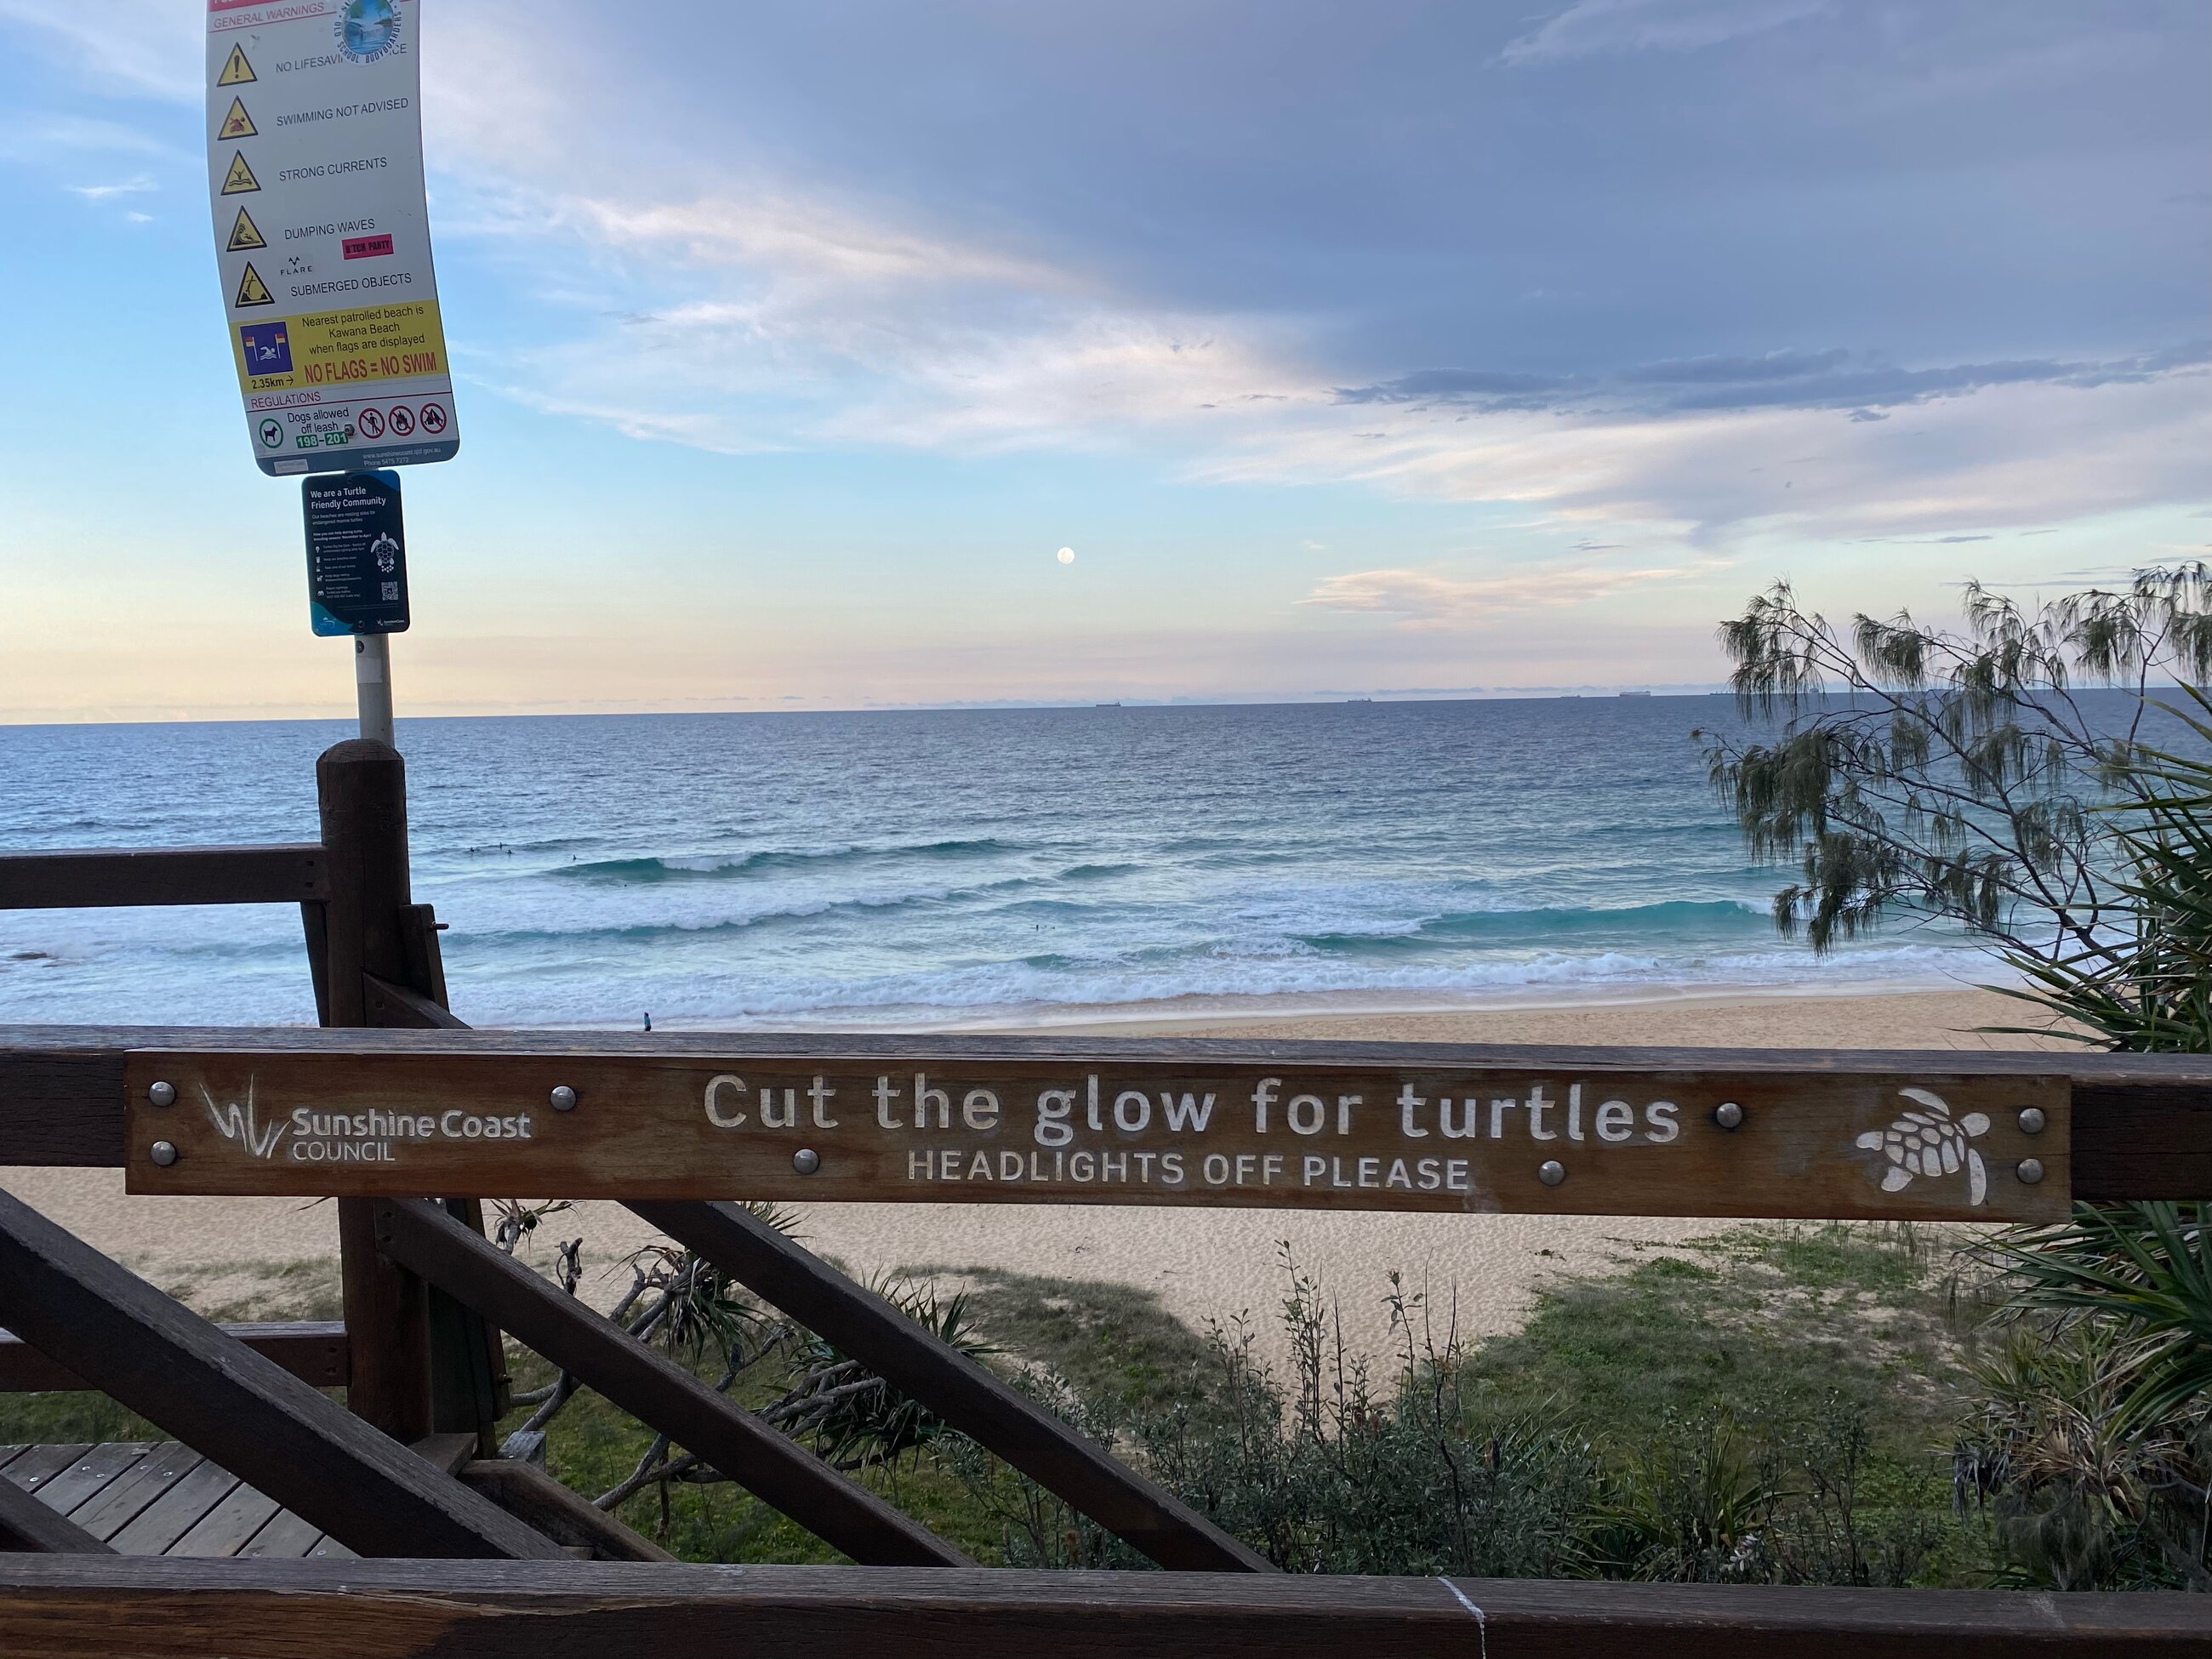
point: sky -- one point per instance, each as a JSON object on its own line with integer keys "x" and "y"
{"x": 1356, "y": 349}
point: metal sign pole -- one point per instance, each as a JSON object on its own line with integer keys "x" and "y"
{"x": 372, "y": 679}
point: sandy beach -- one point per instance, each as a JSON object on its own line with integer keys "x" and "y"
{"x": 229, "y": 1254}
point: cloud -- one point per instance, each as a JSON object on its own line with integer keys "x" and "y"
{"x": 783, "y": 317}
{"x": 1931, "y": 541}
{"x": 799, "y": 237}
{"x": 1592, "y": 29}
{"x": 747, "y": 292}
{"x": 139, "y": 185}
{"x": 780, "y": 317}
{"x": 1428, "y": 600}
{"x": 2037, "y": 453}
{"x": 814, "y": 320}
{"x": 1833, "y": 379}
{"x": 734, "y": 298}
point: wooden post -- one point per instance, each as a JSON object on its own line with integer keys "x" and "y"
{"x": 361, "y": 787}
{"x": 470, "y": 1388}
{"x": 424, "y": 1363}
{"x": 314, "y": 928}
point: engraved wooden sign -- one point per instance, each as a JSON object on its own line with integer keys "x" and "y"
{"x": 1728, "y": 1134}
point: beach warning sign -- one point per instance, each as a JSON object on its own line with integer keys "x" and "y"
{"x": 315, "y": 119}
{"x": 253, "y": 291}
{"x": 244, "y": 235}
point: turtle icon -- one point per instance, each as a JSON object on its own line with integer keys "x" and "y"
{"x": 1930, "y": 1142}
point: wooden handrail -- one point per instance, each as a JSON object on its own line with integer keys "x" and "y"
{"x": 425, "y": 1240}
{"x": 396, "y": 1007}
{"x": 88, "y": 1607}
{"x": 569, "y": 1518}
{"x": 27, "y": 1525}
{"x": 95, "y": 877}
{"x": 966, "y": 1394}
{"x": 179, "y": 1371}
{"x": 314, "y": 1350}
{"x": 2141, "y": 1129}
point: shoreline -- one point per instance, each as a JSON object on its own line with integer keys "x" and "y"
{"x": 1169, "y": 1017}
{"x": 1203, "y": 1264}
{"x": 1954, "y": 1016}
{"x": 1266, "y": 1010}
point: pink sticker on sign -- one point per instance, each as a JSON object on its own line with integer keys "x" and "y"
{"x": 367, "y": 247}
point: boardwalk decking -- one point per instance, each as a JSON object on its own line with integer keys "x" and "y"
{"x": 159, "y": 1497}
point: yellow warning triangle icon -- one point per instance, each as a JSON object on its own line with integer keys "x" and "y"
{"x": 244, "y": 235}
{"x": 252, "y": 290}
{"x": 240, "y": 178}
{"x": 238, "y": 123}
{"x": 237, "y": 71}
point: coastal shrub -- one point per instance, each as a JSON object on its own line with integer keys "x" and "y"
{"x": 1763, "y": 1406}
{"x": 1968, "y": 775}
{"x": 1690, "y": 1420}
{"x": 2103, "y": 1426}
{"x": 2085, "y": 1492}
{"x": 1964, "y": 777}
{"x": 787, "y": 1375}
{"x": 1322, "y": 1471}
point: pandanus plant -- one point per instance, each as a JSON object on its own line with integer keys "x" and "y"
{"x": 1968, "y": 777}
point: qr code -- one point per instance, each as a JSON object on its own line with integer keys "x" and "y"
{"x": 392, "y": 593}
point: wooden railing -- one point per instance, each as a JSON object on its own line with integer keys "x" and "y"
{"x": 61, "y": 1608}
{"x": 397, "y": 1098}
{"x": 314, "y": 1350}
{"x": 1167, "y": 1121}
{"x": 194, "y": 875}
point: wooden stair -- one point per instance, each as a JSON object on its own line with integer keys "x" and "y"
{"x": 161, "y": 1497}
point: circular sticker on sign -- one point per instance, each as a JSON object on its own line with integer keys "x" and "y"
{"x": 367, "y": 29}
{"x": 372, "y": 422}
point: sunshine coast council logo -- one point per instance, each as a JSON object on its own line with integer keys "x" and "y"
{"x": 236, "y": 1120}
{"x": 367, "y": 29}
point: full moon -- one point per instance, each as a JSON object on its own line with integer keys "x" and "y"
{"x": 1066, "y": 556}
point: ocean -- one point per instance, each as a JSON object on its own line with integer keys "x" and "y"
{"x": 937, "y": 869}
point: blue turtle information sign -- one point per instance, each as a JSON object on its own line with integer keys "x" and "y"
{"x": 356, "y": 553}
